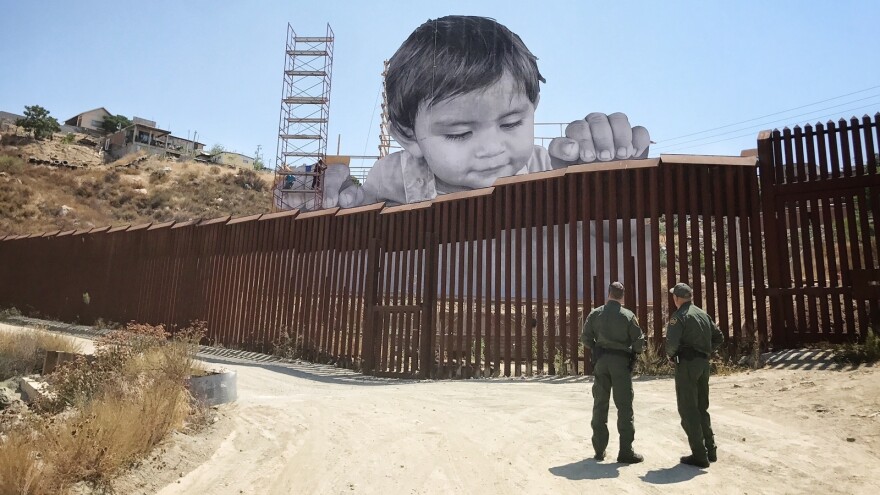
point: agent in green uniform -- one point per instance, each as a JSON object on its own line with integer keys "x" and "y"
{"x": 613, "y": 335}
{"x": 691, "y": 337}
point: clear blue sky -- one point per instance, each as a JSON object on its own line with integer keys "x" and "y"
{"x": 676, "y": 67}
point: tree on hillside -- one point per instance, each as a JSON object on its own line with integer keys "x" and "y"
{"x": 114, "y": 123}
{"x": 216, "y": 149}
{"x": 258, "y": 159}
{"x": 37, "y": 120}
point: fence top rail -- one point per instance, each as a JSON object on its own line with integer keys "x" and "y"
{"x": 742, "y": 161}
{"x": 279, "y": 214}
{"x": 187, "y": 223}
{"x": 361, "y": 209}
{"x": 98, "y": 230}
{"x": 139, "y": 227}
{"x": 319, "y": 213}
{"x": 243, "y": 219}
{"x": 119, "y": 228}
{"x": 157, "y": 226}
{"x": 617, "y": 165}
{"x": 409, "y": 207}
{"x": 214, "y": 221}
{"x": 51, "y": 233}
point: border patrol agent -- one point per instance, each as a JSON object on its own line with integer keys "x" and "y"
{"x": 691, "y": 337}
{"x": 613, "y": 335}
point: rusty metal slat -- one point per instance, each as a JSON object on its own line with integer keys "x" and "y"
{"x": 828, "y": 230}
{"x": 450, "y": 212}
{"x": 480, "y": 270}
{"x": 720, "y": 264}
{"x": 874, "y": 192}
{"x": 852, "y": 224}
{"x": 492, "y": 240}
{"x": 442, "y": 229}
{"x": 428, "y": 334}
{"x": 299, "y": 243}
{"x": 707, "y": 188}
{"x": 668, "y": 196}
{"x": 626, "y": 215}
{"x": 824, "y": 319}
{"x": 587, "y": 250}
{"x": 465, "y": 292}
{"x": 552, "y": 236}
{"x": 654, "y": 212}
{"x": 293, "y": 274}
{"x": 471, "y": 359}
{"x": 368, "y": 225}
{"x": 742, "y": 217}
{"x": 370, "y": 300}
{"x": 242, "y": 319}
{"x": 864, "y": 222}
{"x": 460, "y": 260}
{"x": 614, "y": 192}
{"x": 498, "y": 231}
{"x": 541, "y": 229}
{"x": 696, "y": 249}
{"x": 600, "y": 286}
{"x": 733, "y": 254}
{"x": 332, "y": 290}
{"x": 517, "y": 276}
{"x": 804, "y": 208}
{"x": 573, "y": 333}
{"x": 585, "y": 217}
{"x": 345, "y": 294}
{"x": 327, "y": 251}
{"x": 406, "y": 277}
{"x": 418, "y": 262}
{"x": 260, "y": 333}
{"x": 754, "y": 202}
{"x": 681, "y": 217}
{"x": 559, "y": 226}
{"x": 228, "y": 236}
{"x": 281, "y": 299}
{"x": 250, "y": 332}
{"x": 767, "y": 167}
{"x": 839, "y": 228}
{"x": 529, "y": 207}
{"x": 233, "y": 279}
{"x": 241, "y": 285}
{"x": 641, "y": 248}
{"x": 313, "y": 289}
{"x": 308, "y": 238}
{"x": 353, "y": 268}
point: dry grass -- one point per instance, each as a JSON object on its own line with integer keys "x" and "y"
{"x": 135, "y": 398}
{"x": 32, "y": 196}
{"x": 22, "y": 353}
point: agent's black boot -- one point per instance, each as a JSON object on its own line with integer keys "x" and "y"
{"x": 712, "y": 453}
{"x": 629, "y": 457}
{"x": 693, "y": 461}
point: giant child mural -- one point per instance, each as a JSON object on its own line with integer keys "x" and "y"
{"x": 462, "y": 93}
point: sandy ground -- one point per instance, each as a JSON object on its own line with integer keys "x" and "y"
{"x": 801, "y": 426}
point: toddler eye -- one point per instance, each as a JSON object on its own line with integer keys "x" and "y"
{"x": 458, "y": 137}
{"x": 512, "y": 125}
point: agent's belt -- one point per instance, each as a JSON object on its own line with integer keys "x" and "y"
{"x": 688, "y": 354}
{"x": 619, "y": 352}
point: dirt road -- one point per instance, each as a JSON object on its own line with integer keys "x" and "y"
{"x": 801, "y": 427}
{"x": 313, "y": 429}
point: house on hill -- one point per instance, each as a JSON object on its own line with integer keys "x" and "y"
{"x": 89, "y": 120}
{"x": 233, "y": 159}
{"x": 143, "y": 135}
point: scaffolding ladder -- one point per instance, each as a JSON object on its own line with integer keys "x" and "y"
{"x": 303, "y": 121}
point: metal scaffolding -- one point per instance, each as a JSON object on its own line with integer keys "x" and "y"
{"x": 386, "y": 141}
{"x": 303, "y": 122}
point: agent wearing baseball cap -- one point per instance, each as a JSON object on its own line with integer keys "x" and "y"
{"x": 691, "y": 337}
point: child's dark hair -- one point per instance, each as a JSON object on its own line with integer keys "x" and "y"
{"x": 451, "y": 56}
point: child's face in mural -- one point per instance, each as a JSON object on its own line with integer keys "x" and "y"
{"x": 472, "y": 139}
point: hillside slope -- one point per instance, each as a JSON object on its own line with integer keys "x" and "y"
{"x": 136, "y": 189}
